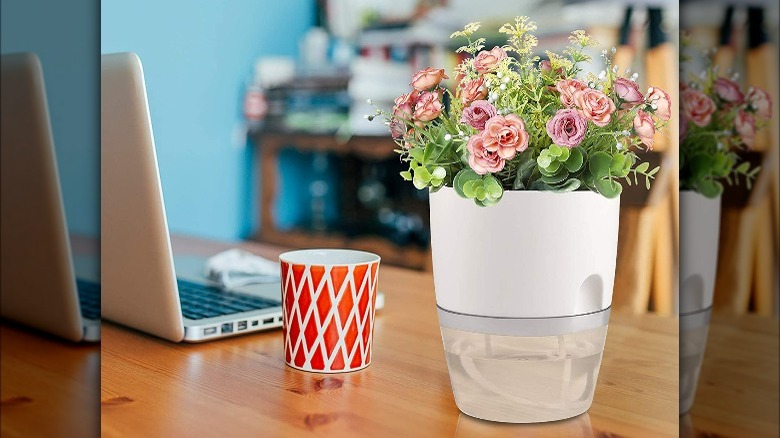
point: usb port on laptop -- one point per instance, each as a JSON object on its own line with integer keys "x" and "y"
{"x": 241, "y": 325}
{"x": 227, "y": 327}
{"x": 268, "y": 320}
{"x": 209, "y": 331}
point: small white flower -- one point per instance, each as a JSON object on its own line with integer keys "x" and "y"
{"x": 366, "y": 116}
{"x": 628, "y": 70}
{"x": 735, "y": 76}
{"x": 369, "y": 101}
{"x": 614, "y": 50}
{"x": 626, "y": 132}
{"x": 618, "y": 145}
{"x": 649, "y": 90}
{"x": 487, "y": 82}
{"x": 500, "y": 75}
{"x": 447, "y": 137}
{"x": 634, "y": 76}
{"x": 604, "y": 52}
{"x": 460, "y": 133}
{"x": 502, "y": 87}
{"x": 615, "y": 69}
{"x": 602, "y": 75}
{"x": 466, "y": 138}
{"x": 506, "y": 80}
{"x": 720, "y": 146}
{"x": 591, "y": 84}
{"x": 600, "y": 87}
{"x": 653, "y": 106}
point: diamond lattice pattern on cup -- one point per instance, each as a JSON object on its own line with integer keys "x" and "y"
{"x": 327, "y": 313}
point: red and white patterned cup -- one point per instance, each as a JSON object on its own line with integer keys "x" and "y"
{"x": 329, "y": 298}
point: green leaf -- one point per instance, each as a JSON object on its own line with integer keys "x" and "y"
{"x": 575, "y": 160}
{"x": 569, "y": 186}
{"x": 642, "y": 168}
{"x": 564, "y": 155}
{"x": 617, "y": 164}
{"x": 406, "y": 175}
{"x": 462, "y": 178}
{"x": 544, "y": 160}
{"x": 418, "y": 182}
{"x": 555, "y": 150}
{"x": 556, "y": 177}
{"x": 470, "y": 188}
{"x": 439, "y": 173}
{"x": 742, "y": 168}
{"x": 599, "y": 164}
{"x": 481, "y": 193}
{"x": 423, "y": 174}
{"x": 416, "y": 154}
{"x": 710, "y": 188}
{"x": 493, "y": 187}
{"x": 608, "y": 187}
{"x": 428, "y": 152}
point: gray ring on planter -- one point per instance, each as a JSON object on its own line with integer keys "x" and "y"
{"x": 693, "y": 320}
{"x": 508, "y": 326}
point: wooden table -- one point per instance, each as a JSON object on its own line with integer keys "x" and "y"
{"x": 242, "y": 387}
{"x": 738, "y": 385}
{"x": 49, "y": 386}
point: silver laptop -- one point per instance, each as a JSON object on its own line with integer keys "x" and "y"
{"x": 141, "y": 288}
{"x": 39, "y": 285}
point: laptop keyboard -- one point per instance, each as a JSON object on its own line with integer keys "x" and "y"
{"x": 89, "y": 298}
{"x": 200, "y": 301}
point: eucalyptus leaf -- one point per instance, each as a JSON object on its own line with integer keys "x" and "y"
{"x": 599, "y": 164}
{"x": 406, "y": 175}
{"x": 570, "y": 185}
{"x": 439, "y": 173}
{"x": 608, "y": 187}
{"x": 575, "y": 160}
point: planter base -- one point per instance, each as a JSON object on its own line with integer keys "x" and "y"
{"x": 523, "y": 379}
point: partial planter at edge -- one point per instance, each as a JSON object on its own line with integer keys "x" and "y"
{"x": 523, "y": 290}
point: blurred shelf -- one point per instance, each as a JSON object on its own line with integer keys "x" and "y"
{"x": 349, "y": 232}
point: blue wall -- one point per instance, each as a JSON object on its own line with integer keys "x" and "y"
{"x": 197, "y": 57}
{"x": 65, "y": 36}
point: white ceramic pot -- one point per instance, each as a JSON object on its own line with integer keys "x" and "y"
{"x": 699, "y": 236}
{"x": 523, "y": 290}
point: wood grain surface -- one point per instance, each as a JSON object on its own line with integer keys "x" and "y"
{"x": 738, "y": 387}
{"x": 49, "y": 387}
{"x": 241, "y": 386}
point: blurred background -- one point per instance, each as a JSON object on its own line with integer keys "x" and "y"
{"x": 733, "y": 354}
{"x": 258, "y": 111}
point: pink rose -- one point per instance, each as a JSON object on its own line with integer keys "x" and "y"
{"x": 697, "y": 106}
{"x": 745, "y": 126}
{"x": 404, "y": 105}
{"x": 567, "y": 88}
{"x": 595, "y": 106}
{"x": 397, "y": 127}
{"x": 478, "y": 113}
{"x": 505, "y": 135}
{"x": 486, "y": 62}
{"x": 761, "y": 102}
{"x": 628, "y": 91}
{"x": 729, "y": 91}
{"x": 472, "y": 90}
{"x": 546, "y": 68}
{"x": 567, "y": 128}
{"x": 428, "y": 78}
{"x": 481, "y": 159}
{"x": 663, "y": 104}
{"x": 644, "y": 128}
{"x": 428, "y": 107}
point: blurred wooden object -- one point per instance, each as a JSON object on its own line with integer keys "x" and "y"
{"x": 749, "y": 237}
{"x": 645, "y": 275}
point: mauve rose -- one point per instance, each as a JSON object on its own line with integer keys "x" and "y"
{"x": 761, "y": 102}
{"x": 567, "y": 88}
{"x": 729, "y": 91}
{"x": 697, "y": 106}
{"x": 662, "y": 102}
{"x": 478, "y": 113}
{"x": 472, "y": 90}
{"x": 595, "y": 106}
{"x": 505, "y": 135}
{"x": 481, "y": 159}
{"x": 397, "y": 127}
{"x": 745, "y": 125}
{"x": 428, "y": 78}
{"x": 404, "y": 105}
{"x": 487, "y": 61}
{"x": 567, "y": 128}
{"x": 428, "y": 107}
{"x": 628, "y": 91}
{"x": 644, "y": 128}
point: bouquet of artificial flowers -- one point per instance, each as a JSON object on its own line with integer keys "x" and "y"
{"x": 515, "y": 123}
{"x": 717, "y": 121}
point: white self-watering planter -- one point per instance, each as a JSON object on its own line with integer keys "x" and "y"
{"x": 523, "y": 291}
{"x": 699, "y": 236}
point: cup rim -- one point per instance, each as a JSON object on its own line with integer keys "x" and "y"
{"x": 365, "y": 257}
